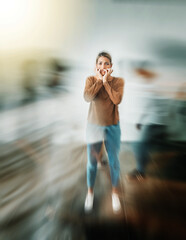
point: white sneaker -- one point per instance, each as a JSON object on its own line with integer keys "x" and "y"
{"x": 116, "y": 203}
{"x": 89, "y": 202}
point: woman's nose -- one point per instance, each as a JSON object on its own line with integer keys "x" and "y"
{"x": 103, "y": 66}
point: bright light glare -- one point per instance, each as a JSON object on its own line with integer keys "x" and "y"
{"x": 35, "y": 23}
{"x": 12, "y": 13}
{"x": 14, "y": 19}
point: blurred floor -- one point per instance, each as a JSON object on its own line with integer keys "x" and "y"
{"x": 43, "y": 184}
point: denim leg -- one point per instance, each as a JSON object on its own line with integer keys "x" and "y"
{"x": 93, "y": 151}
{"x": 151, "y": 137}
{"x": 112, "y": 144}
{"x": 141, "y": 152}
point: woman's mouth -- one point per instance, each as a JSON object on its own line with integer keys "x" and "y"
{"x": 103, "y": 72}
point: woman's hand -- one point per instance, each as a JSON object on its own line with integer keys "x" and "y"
{"x": 107, "y": 74}
{"x": 98, "y": 74}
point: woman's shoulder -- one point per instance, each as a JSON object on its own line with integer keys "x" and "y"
{"x": 91, "y": 77}
{"x": 119, "y": 80}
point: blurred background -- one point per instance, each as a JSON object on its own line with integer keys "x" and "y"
{"x": 47, "y": 49}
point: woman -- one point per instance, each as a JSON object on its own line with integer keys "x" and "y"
{"x": 104, "y": 93}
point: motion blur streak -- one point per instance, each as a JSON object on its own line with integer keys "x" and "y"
{"x": 47, "y": 49}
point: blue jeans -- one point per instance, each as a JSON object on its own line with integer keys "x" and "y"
{"x": 111, "y": 137}
{"x": 152, "y": 138}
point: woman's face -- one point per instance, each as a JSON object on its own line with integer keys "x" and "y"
{"x": 103, "y": 64}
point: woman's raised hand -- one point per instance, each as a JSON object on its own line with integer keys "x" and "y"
{"x": 98, "y": 74}
{"x": 107, "y": 74}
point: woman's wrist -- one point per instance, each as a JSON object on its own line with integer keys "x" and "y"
{"x": 104, "y": 80}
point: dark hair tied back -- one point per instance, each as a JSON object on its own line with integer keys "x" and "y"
{"x": 104, "y": 54}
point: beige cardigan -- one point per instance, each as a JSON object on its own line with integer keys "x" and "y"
{"x": 104, "y": 99}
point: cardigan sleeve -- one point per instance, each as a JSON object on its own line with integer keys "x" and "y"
{"x": 92, "y": 88}
{"x": 116, "y": 91}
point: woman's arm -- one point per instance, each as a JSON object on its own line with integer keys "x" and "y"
{"x": 115, "y": 93}
{"x": 92, "y": 88}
